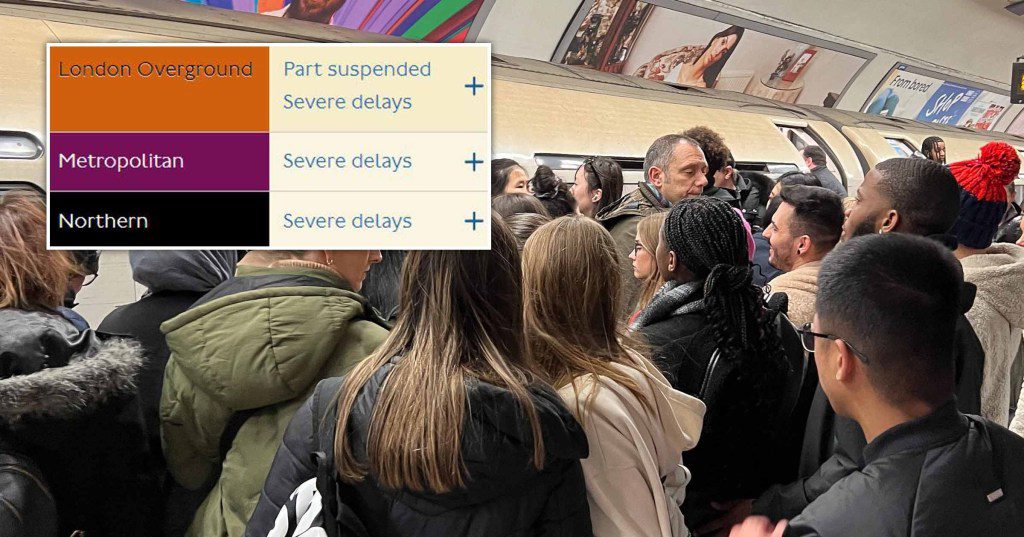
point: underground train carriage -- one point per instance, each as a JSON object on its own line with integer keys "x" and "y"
{"x": 543, "y": 113}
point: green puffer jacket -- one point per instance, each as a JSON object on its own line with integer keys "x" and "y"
{"x": 261, "y": 341}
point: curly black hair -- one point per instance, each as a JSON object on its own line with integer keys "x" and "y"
{"x": 715, "y": 151}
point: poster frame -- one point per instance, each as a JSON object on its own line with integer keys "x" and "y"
{"x": 915, "y": 70}
{"x": 478, "y": 20}
{"x": 728, "y": 19}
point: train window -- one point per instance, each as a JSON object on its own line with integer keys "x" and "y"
{"x": 771, "y": 169}
{"x": 802, "y": 137}
{"x": 19, "y": 145}
{"x": 902, "y": 147}
{"x": 1018, "y": 184}
{"x": 557, "y": 161}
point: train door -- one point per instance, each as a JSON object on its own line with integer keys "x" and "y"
{"x": 802, "y": 137}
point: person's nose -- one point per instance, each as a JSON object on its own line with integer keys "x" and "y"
{"x": 376, "y": 256}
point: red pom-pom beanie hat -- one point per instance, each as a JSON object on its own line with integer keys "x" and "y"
{"x": 983, "y": 193}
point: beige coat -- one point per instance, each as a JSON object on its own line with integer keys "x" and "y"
{"x": 998, "y": 317}
{"x": 801, "y": 286}
{"x": 635, "y": 477}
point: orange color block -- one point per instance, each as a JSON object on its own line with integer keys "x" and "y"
{"x": 165, "y": 88}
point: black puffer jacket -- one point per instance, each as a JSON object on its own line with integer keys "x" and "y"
{"x": 504, "y": 496}
{"x": 740, "y": 453}
{"x": 66, "y": 400}
{"x": 943, "y": 474}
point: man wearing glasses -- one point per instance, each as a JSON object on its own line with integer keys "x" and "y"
{"x": 883, "y": 339}
{"x": 87, "y": 268}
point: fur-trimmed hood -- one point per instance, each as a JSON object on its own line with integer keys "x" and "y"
{"x": 51, "y": 370}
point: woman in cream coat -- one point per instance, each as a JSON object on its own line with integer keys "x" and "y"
{"x": 636, "y": 424}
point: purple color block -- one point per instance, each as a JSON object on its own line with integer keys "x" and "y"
{"x": 354, "y": 17}
{"x": 212, "y": 161}
{"x": 387, "y": 14}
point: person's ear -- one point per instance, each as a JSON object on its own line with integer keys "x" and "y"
{"x": 803, "y": 245}
{"x": 597, "y": 195}
{"x": 671, "y": 261}
{"x": 890, "y": 222}
{"x": 847, "y": 366}
{"x": 656, "y": 177}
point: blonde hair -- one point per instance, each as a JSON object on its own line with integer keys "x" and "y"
{"x": 31, "y": 277}
{"x": 647, "y": 230}
{"x": 579, "y": 250}
{"x": 459, "y": 319}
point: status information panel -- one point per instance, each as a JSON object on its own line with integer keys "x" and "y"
{"x": 319, "y": 146}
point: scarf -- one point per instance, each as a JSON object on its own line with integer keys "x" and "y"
{"x": 671, "y": 300}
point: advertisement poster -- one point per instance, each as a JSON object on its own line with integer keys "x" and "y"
{"x": 657, "y": 43}
{"x": 948, "y": 103}
{"x": 440, "y": 21}
{"x": 902, "y": 94}
{"x": 1017, "y": 127}
{"x": 985, "y": 111}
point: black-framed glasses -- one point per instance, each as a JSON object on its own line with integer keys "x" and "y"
{"x": 807, "y": 341}
{"x": 89, "y": 278}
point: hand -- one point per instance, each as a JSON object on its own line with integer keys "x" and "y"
{"x": 733, "y": 513}
{"x": 758, "y": 526}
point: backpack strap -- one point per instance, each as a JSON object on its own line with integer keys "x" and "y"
{"x": 323, "y": 457}
{"x": 339, "y": 519}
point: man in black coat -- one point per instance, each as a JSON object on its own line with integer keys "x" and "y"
{"x": 815, "y": 158}
{"x": 883, "y": 340}
{"x": 174, "y": 280}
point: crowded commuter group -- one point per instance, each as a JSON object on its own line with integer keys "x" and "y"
{"x": 711, "y": 353}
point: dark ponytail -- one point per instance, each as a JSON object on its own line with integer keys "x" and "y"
{"x": 552, "y": 192}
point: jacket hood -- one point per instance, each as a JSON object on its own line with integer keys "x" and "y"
{"x": 640, "y": 202}
{"x": 681, "y": 415}
{"x": 998, "y": 272}
{"x": 263, "y": 336}
{"x": 497, "y": 441}
{"x": 197, "y": 271}
{"x": 53, "y": 371}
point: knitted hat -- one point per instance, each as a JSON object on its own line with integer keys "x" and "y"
{"x": 982, "y": 184}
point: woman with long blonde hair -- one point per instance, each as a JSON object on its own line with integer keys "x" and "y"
{"x": 447, "y": 429}
{"x": 645, "y": 266}
{"x": 636, "y": 424}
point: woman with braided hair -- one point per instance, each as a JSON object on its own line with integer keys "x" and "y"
{"x": 714, "y": 338}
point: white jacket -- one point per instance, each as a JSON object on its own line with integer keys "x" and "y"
{"x": 635, "y": 477}
{"x": 998, "y": 317}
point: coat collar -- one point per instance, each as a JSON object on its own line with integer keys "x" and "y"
{"x": 943, "y": 426}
